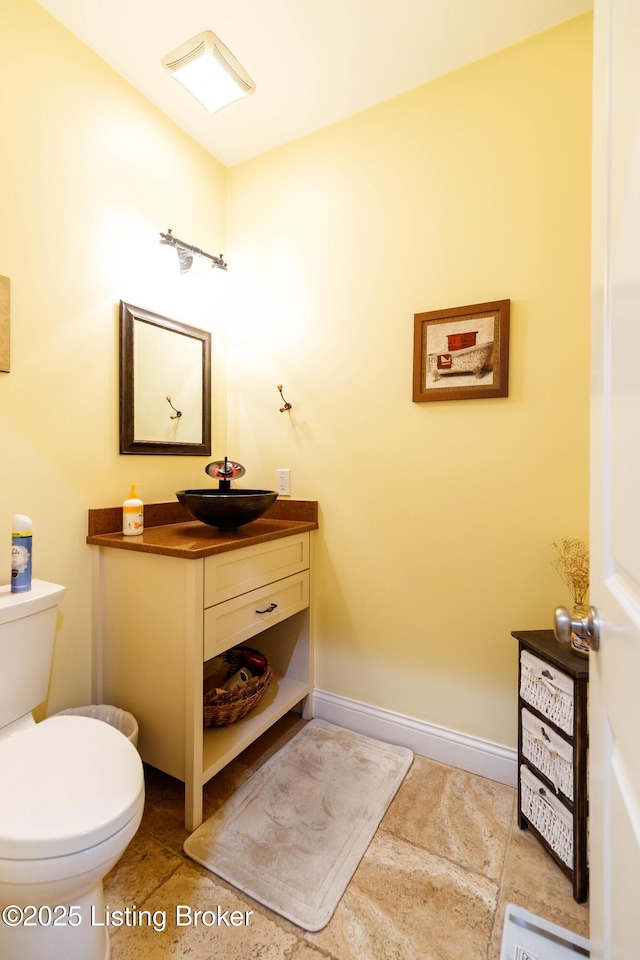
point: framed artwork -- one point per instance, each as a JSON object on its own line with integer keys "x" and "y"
{"x": 462, "y": 353}
{"x": 165, "y": 385}
{"x": 4, "y": 324}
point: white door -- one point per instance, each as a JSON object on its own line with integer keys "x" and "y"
{"x": 614, "y": 713}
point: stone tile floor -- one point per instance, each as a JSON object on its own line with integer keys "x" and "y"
{"x": 433, "y": 885}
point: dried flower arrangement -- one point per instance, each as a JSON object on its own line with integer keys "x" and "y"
{"x": 572, "y": 563}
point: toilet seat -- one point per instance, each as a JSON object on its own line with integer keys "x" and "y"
{"x": 68, "y": 783}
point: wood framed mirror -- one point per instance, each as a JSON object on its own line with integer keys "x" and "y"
{"x": 165, "y": 385}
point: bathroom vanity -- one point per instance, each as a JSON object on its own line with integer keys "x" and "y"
{"x": 171, "y": 599}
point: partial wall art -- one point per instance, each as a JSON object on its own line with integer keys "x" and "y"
{"x": 4, "y": 324}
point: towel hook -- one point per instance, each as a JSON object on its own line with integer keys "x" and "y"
{"x": 178, "y": 413}
{"x": 287, "y": 406}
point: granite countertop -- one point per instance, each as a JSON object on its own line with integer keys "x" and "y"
{"x": 169, "y": 530}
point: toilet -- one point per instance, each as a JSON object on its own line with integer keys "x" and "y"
{"x": 71, "y": 798}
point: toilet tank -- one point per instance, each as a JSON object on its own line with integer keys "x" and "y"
{"x": 27, "y": 632}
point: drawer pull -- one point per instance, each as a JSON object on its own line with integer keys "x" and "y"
{"x": 269, "y": 609}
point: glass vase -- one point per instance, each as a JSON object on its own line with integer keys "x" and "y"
{"x": 578, "y": 645}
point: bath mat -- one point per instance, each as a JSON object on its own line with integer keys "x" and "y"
{"x": 292, "y": 836}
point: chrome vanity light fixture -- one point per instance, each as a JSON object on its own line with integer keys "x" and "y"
{"x": 209, "y": 71}
{"x": 186, "y": 252}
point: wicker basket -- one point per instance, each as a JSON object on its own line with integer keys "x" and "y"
{"x": 547, "y": 814}
{"x": 547, "y": 689}
{"x": 221, "y": 708}
{"x": 547, "y": 751}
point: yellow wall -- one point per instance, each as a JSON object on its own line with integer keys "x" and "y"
{"x": 436, "y": 518}
{"x": 90, "y": 173}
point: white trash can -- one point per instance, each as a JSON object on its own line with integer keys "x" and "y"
{"x": 125, "y": 722}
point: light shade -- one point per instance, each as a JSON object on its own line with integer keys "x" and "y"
{"x": 209, "y": 71}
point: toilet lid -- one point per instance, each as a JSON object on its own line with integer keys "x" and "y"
{"x": 67, "y": 783}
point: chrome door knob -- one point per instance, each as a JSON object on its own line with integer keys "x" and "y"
{"x": 587, "y": 627}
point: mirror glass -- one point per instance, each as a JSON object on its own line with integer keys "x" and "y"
{"x": 165, "y": 385}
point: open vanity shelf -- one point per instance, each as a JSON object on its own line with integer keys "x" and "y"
{"x": 170, "y": 600}
{"x": 221, "y": 744}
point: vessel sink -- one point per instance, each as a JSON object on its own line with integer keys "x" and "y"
{"x": 226, "y": 509}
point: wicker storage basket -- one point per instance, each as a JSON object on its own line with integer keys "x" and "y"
{"x": 547, "y": 751}
{"x": 223, "y": 707}
{"x": 547, "y": 814}
{"x": 548, "y": 690}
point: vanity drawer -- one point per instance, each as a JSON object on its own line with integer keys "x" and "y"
{"x": 547, "y": 814}
{"x": 547, "y": 689}
{"x": 236, "y": 572}
{"x": 548, "y": 751}
{"x": 239, "y": 618}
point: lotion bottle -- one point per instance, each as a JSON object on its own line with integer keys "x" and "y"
{"x": 21, "y": 547}
{"x": 133, "y": 514}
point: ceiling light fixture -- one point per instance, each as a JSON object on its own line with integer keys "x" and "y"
{"x": 186, "y": 252}
{"x": 209, "y": 71}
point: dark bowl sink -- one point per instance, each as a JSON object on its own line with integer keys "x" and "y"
{"x": 226, "y": 509}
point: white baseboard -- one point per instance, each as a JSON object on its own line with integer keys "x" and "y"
{"x": 426, "y": 739}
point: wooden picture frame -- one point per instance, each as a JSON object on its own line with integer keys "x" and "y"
{"x": 165, "y": 385}
{"x": 462, "y": 353}
{"x": 5, "y": 320}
